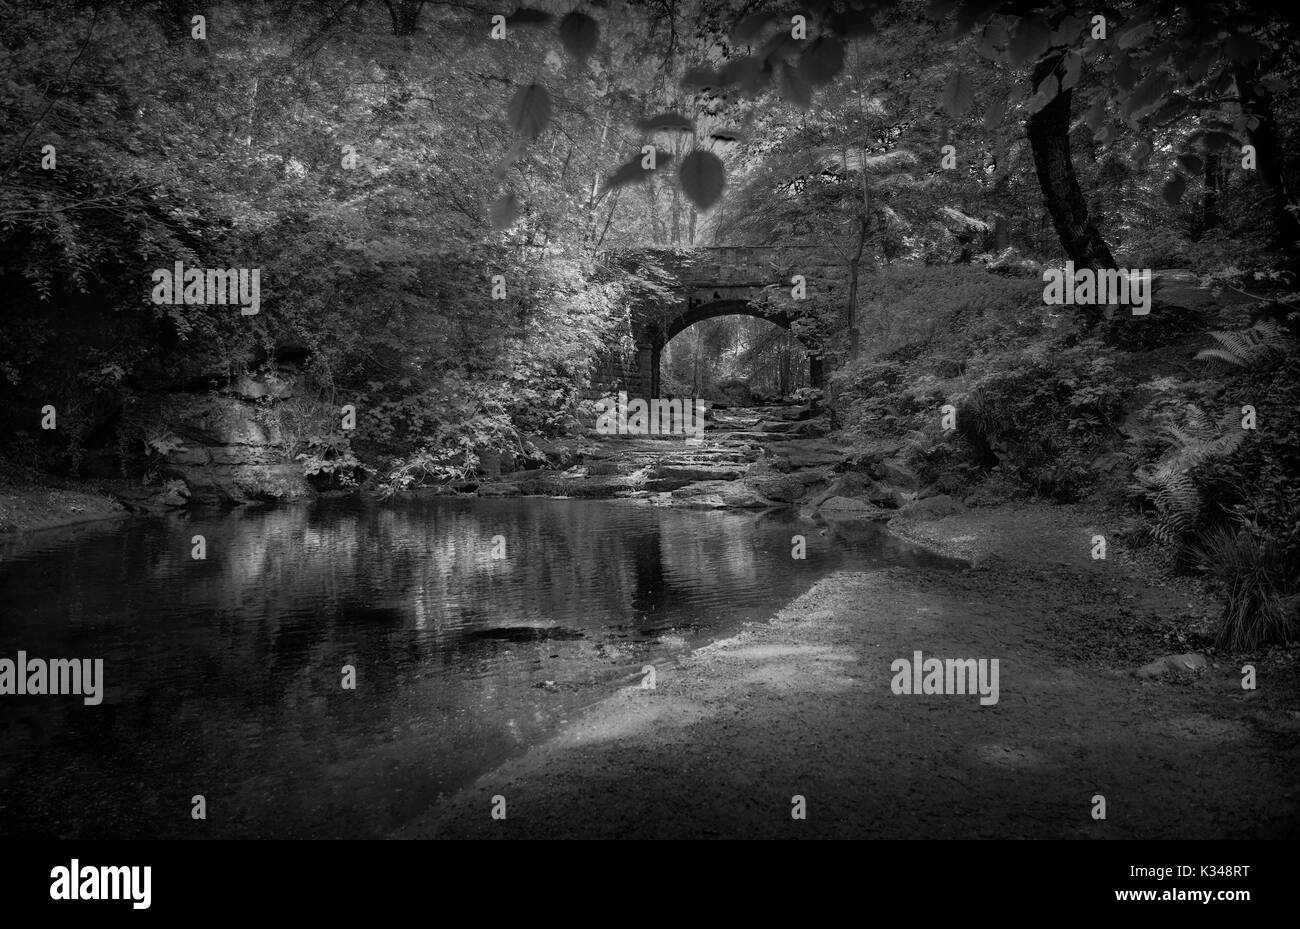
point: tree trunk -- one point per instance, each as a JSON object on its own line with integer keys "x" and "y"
{"x": 1048, "y": 132}
{"x": 1210, "y": 202}
{"x": 850, "y": 321}
{"x": 1258, "y": 102}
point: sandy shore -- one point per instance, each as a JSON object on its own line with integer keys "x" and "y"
{"x": 802, "y": 706}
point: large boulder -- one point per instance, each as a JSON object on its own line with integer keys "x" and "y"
{"x": 842, "y": 485}
{"x": 851, "y": 508}
{"x": 885, "y": 497}
{"x": 783, "y": 488}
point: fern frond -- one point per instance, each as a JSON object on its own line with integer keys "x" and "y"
{"x": 1220, "y": 354}
{"x": 1248, "y": 348}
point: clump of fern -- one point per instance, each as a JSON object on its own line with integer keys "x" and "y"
{"x": 1170, "y": 484}
{"x": 1260, "y": 578}
{"x": 1256, "y": 347}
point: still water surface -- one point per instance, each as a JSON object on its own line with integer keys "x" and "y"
{"x": 224, "y": 676}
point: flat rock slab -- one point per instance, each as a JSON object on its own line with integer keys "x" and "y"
{"x": 599, "y": 487}
{"x": 1189, "y": 663}
{"x": 809, "y": 454}
{"x": 852, "y": 508}
{"x": 692, "y": 473}
{"x": 721, "y": 494}
{"x": 498, "y": 490}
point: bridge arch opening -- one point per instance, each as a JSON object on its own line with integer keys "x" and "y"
{"x": 777, "y": 360}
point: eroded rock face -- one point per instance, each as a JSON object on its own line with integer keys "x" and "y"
{"x": 256, "y": 386}
{"x": 229, "y": 451}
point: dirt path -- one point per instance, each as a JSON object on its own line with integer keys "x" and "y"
{"x": 803, "y": 706}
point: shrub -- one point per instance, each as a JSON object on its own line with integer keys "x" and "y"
{"x": 1048, "y": 416}
{"x": 1261, "y": 581}
{"x": 904, "y": 305}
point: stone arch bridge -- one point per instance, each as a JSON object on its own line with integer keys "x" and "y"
{"x": 712, "y": 281}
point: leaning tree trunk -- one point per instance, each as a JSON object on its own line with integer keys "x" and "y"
{"x": 1048, "y": 132}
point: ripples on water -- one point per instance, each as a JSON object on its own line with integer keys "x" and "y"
{"x": 223, "y": 676}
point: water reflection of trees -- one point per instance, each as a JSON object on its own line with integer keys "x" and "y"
{"x": 226, "y": 672}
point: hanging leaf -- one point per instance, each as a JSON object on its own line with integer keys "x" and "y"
{"x": 1174, "y": 188}
{"x": 994, "y": 115}
{"x": 1126, "y": 72}
{"x": 794, "y": 89}
{"x": 1196, "y": 71}
{"x": 1032, "y": 38}
{"x": 527, "y": 16}
{"x": 821, "y": 61}
{"x": 505, "y": 164}
{"x": 702, "y": 77}
{"x": 632, "y": 171}
{"x": 1243, "y": 49}
{"x": 529, "y": 110}
{"x": 1161, "y": 54}
{"x": 992, "y": 40}
{"x": 1073, "y": 70}
{"x": 1135, "y": 31}
{"x": 505, "y": 210}
{"x": 750, "y": 73}
{"x": 751, "y": 27}
{"x": 1047, "y": 92}
{"x": 779, "y": 47}
{"x": 1067, "y": 30}
{"x": 1171, "y": 111}
{"x": 666, "y": 122}
{"x": 973, "y": 13}
{"x": 579, "y": 35}
{"x": 852, "y": 24}
{"x": 1215, "y": 140}
{"x": 996, "y": 32}
{"x": 703, "y": 177}
{"x": 1095, "y": 116}
{"x": 958, "y": 94}
{"x": 1145, "y": 97}
{"x": 1190, "y": 163}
